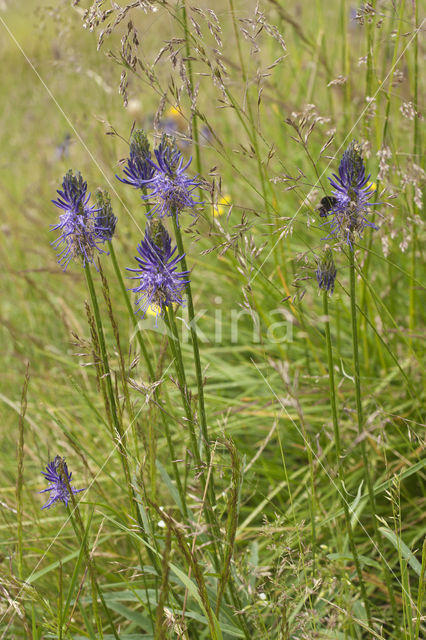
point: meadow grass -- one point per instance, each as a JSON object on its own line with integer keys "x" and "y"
{"x": 258, "y": 473}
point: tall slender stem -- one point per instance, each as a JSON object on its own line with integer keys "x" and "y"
{"x": 194, "y": 121}
{"x": 416, "y": 153}
{"x": 209, "y": 513}
{"x": 107, "y": 374}
{"x": 150, "y": 367}
{"x": 338, "y": 448}
{"x": 195, "y": 345}
{"x": 80, "y": 531}
{"x": 253, "y": 135}
{"x": 360, "y": 420}
{"x": 180, "y": 372}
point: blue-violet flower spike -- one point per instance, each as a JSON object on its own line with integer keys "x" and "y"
{"x": 160, "y": 284}
{"x": 326, "y": 271}
{"x": 352, "y": 190}
{"x": 170, "y": 187}
{"x": 58, "y": 487}
{"x": 139, "y": 168}
{"x": 105, "y": 221}
{"x": 77, "y": 224}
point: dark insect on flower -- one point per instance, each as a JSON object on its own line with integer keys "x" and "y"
{"x": 79, "y": 236}
{"x": 59, "y": 488}
{"x": 325, "y": 206}
{"x": 352, "y": 190}
{"x": 171, "y": 188}
{"x": 160, "y": 284}
{"x": 139, "y": 168}
{"x": 326, "y": 271}
{"x": 105, "y": 221}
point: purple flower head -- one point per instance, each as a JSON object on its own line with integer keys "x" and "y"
{"x": 160, "y": 284}
{"x": 59, "y": 488}
{"x": 105, "y": 221}
{"x": 352, "y": 191}
{"x": 170, "y": 187}
{"x": 326, "y": 271}
{"x": 79, "y": 238}
{"x": 139, "y": 168}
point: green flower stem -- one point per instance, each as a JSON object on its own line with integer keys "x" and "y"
{"x": 195, "y": 346}
{"x": 211, "y": 500}
{"x": 253, "y": 135}
{"x": 180, "y": 372}
{"x": 416, "y": 154}
{"x": 151, "y": 372}
{"x": 338, "y": 448}
{"x": 197, "y": 360}
{"x": 360, "y": 420}
{"x": 194, "y": 122}
{"x": 81, "y": 534}
{"x": 113, "y": 408}
{"x": 107, "y": 374}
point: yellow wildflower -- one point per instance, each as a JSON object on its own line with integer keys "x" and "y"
{"x": 222, "y": 206}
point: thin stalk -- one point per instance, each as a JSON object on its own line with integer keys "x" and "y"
{"x": 112, "y": 406}
{"x": 360, "y": 420}
{"x": 251, "y": 119}
{"x": 109, "y": 387}
{"x": 180, "y": 372}
{"x": 194, "y": 122}
{"x": 369, "y": 70}
{"x": 384, "y": 136}
{"x": 195, "y": 346}
{"x": 151, "y": 372}
{"x": 20, "y": 470}
{"x": 78, "y": 526}
{"x": 421, "y": 591}
{"x": 60, "y": 602}
{"x": 338, "y": 449}
{"x": 416, "y": 152}
{"x": 183, "y": 387}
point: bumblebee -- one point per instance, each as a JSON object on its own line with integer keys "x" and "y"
{"x": 326, "y": 205}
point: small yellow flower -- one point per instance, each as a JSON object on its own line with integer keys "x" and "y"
{"x": 372, "y": 186}
{"x": 222, "y": 205}
{"x": 176, "y": 115}
{"x": 153, "y": 310}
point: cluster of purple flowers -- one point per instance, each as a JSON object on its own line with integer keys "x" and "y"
{"x": 160, "y": 284}
{"x": 163, "y": 181}
{"x": 352, "y": 191}
{"x": 83, "y": 226}
{"x": 59, "y": 487}
{"x": 346, "y": 209}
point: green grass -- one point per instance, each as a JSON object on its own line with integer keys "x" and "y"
{"x": 264, "y": 530}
